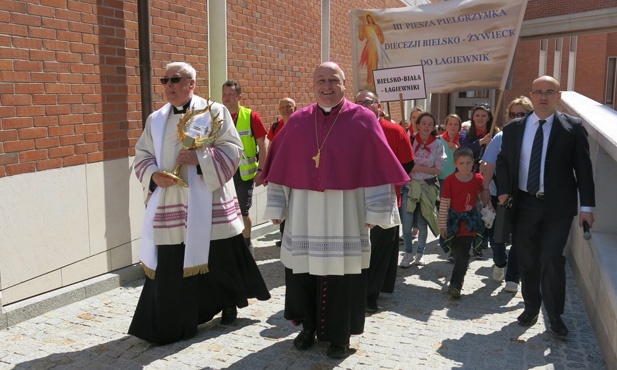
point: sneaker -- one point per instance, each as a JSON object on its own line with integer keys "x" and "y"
{"x": 499, "y": 273}
{"x": 454, "y": 292}
{"x": 419, "y": 261}
{"x": 511, "y": 287}
{"x": 406, "y": 261}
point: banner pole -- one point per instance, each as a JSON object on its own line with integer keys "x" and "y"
{"x": 497, "y": 111}
{"x": 402, "y": 103}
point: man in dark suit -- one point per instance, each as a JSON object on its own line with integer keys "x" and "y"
{"x": 544, "y": 162}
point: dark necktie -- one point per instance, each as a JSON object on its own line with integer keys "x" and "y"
{"x": 533, "y": 177}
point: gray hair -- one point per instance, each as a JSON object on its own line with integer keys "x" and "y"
{"x": 185, "y": 67}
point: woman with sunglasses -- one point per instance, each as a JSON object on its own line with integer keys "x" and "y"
{"x": 517, "y": 109}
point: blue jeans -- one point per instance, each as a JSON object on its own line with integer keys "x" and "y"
{"x": 407, "y": 220}
{"x": 500, "y": 257}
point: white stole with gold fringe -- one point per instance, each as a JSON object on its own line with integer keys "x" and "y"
{"x": 199, "y": 210}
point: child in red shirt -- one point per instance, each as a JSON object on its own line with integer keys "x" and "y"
{"x": 459, "y": 219}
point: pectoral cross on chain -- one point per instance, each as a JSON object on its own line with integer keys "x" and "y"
{"x": 316, "y": 158}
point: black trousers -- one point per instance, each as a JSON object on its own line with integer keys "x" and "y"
{"x": 383, "y": 264}
{"x": 460, "y": 251}
{"x": 540, "y": 240}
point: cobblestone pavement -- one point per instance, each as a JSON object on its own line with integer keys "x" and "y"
{"x": 418, "y": 327}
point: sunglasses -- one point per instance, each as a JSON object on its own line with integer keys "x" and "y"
{"x": 513, "y": 115}
{"x": 174, "y": 80}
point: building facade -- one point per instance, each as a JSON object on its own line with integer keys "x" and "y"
{"x": 72, "y": 107}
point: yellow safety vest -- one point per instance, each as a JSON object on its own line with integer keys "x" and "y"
{"x": 248, "y": 162}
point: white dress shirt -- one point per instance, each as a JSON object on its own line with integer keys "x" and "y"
{"x": 530, "y": 132}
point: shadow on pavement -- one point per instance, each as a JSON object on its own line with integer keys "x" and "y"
{"x": 130, "y": 353}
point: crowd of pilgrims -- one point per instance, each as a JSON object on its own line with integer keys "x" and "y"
{"x": 333, "y": 272}
{"x": 338, "y": 196}
{"x": 434, "y": 146}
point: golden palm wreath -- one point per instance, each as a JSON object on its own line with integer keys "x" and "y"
{"x": 197, "y": 142}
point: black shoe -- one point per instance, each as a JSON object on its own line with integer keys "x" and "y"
{"x": 454, "y": 292}
{"x": 336, "y": 351}
{"x": 371, "y": 306}
{"x": 279, "y": 243}
{"x": 305, "y": 339}
{"x": 478, "y": 256}
{"x": 229, "y": 315}
{"x": 558, "y": 327}
{"x": 527, "y": 318}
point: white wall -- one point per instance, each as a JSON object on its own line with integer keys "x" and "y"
{"x": 594, "y": 262}
{"x": 66, "y": 225}
{"x": 63, "y": 226}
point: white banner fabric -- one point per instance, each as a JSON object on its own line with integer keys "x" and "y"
{"x": 462, "y": 44}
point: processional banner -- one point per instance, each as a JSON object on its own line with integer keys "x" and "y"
{"x": 461, "y": 44}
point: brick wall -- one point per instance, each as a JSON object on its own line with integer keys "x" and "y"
{"x": 590, "y": 72}
{"x": 70, "y": 90}
{"x": 591, "y": 77}
{"x": 551, "y": 8}
{"x": 274, "y": 47}
{"x": 69, "y": 82}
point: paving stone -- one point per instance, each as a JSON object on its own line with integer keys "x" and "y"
{"x": 418, "y": 326}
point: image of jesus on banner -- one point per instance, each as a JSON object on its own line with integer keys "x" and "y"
{"x": 373, "y": 55}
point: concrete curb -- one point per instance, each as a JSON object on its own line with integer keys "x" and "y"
{"x": 35, "y": 306}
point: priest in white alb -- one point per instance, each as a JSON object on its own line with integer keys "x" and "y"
{"x": 195, "y": 258}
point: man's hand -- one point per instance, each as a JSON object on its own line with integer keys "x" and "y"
{"x": 585, "y": 216}
{"x": 370, "y": 226}
{"x": 162, "y": 180}
{"x": 259, "y": 180}
{"x": 503, "y": 198}
{"x": 186, "y": 156}
{"x": 276, "y": 221}
{"x": 444, "y": 233}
